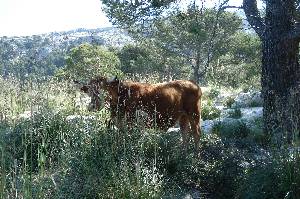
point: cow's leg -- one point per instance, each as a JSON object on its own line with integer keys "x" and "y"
{"x": 184, "y": 128}
{"x": 196, "y": 131}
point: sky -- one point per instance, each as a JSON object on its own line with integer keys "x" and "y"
{"x": 29, "y": 17}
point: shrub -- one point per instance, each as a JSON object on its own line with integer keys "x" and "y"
{"x": 87, "y": 61}
{"x": 255, "y": 104}
{"x": 229, "y": 102}
{"x": 231, "y": 128}
{"x": 115, "y": 164}
{"x": 277, "y": 178}
{"x": 217, "y": 172}
{"x": 213, "y": 93}
{"x": 38, "y": 141}
{"x": 209, "y": 112}
{"x": 235, "y": 113}
{"x": 256, "y": 132}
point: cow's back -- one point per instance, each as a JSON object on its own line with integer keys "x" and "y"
{"x": 178, "y": 93}
{"x": 173, "y": 99}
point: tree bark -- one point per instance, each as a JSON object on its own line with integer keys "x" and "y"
{"x": 196, "y": 68}
{"x": 280, "y": 68}
{"x": 280, "y": 89}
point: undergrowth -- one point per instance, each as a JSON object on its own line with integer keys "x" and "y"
{"x": 58, "y": 150}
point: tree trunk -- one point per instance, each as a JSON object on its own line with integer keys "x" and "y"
{"x": 196, "y": 68}
{"x": 280, "y": 76}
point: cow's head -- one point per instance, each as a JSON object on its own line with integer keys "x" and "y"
{"x": 93, "y": 89}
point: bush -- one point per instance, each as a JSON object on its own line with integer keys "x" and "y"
{"x": 87, "y": 61}
{"x": 231, "y": 128}
{"x": 213, "y": 93}
{"x": 235, "y": 113}
{"x": 229, "y": 102}
{"x": 37, "y": 141}
{"x": 217, "y": 172}
{"x": 209, "y": 112}
{"x": 147, "y": 164}
{"x": 278, "y": 178}
{"x": 115, "y": 164}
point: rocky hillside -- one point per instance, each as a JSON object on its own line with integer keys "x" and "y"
{"x": 43, "y": 54}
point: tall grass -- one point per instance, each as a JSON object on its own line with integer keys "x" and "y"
{"x": 40, "y": 147}
{"x": 29, "y": 133}
{"x": 51, "y": 147}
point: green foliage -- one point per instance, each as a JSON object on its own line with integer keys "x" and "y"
{"x": 37, "y": 141}
{"x": 147, "y": 58}
{"x": 278, "y": 178}
{"x": 241, "y": 130}
{"x": 229, "y": 102}
{"x": 42, "y": 55}
{"x": 240, "y": 66}
{"x": 29, "y": 56}
{"x": 20, "y": 97}
{"x": 231, "y": 128}
{"x": 208, "y": 41}
{"x": 127, "y": 13}
{"x": 213, "y": 93}
{"x": 114, "y": 164}
{"x": 254, "y": 103}
{"x": 52, "y": 154}
{"x": 209, "y": 112}
{"x": 235, "y": 113}
{"x": 217, "y": 171}
{"x": 192, "y": 34}
{"x": 87, "y": 61}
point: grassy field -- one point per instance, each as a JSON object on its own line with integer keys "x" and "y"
{"x": 52, "y": 147}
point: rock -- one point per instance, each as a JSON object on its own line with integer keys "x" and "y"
{"x": 231, "y": 128}
{"x": 194, "y": 194}
{"x": 250, "y": 113}
{"x": 25, "y": 115}
{"x": 173, "y": 129}
{"x": 71, "y": 118}
{"x": 252, "y": 117}
{"x": 249, "y": 99}
{"x": 245, "y": 113}
{"x": 250, "y": 122}
{"x": 231, "y": 113}
{"x": 82, "y": 102}
{"x": 220, "y": 107}
{"x": 207, "y": 126}
{"x": 221, "y": 99}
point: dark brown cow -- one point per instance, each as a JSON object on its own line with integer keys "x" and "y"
{"x": 166, "y": 103}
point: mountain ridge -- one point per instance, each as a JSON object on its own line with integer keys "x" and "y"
{"x": 43, "y": 53}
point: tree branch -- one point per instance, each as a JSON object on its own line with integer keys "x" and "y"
{"x": 233, "y": 7}
{"x": 253, "y": 16}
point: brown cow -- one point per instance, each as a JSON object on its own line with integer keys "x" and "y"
{"x": 166, "y": 103}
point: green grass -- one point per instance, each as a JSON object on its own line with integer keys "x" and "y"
{"x": 47, "y": 155}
